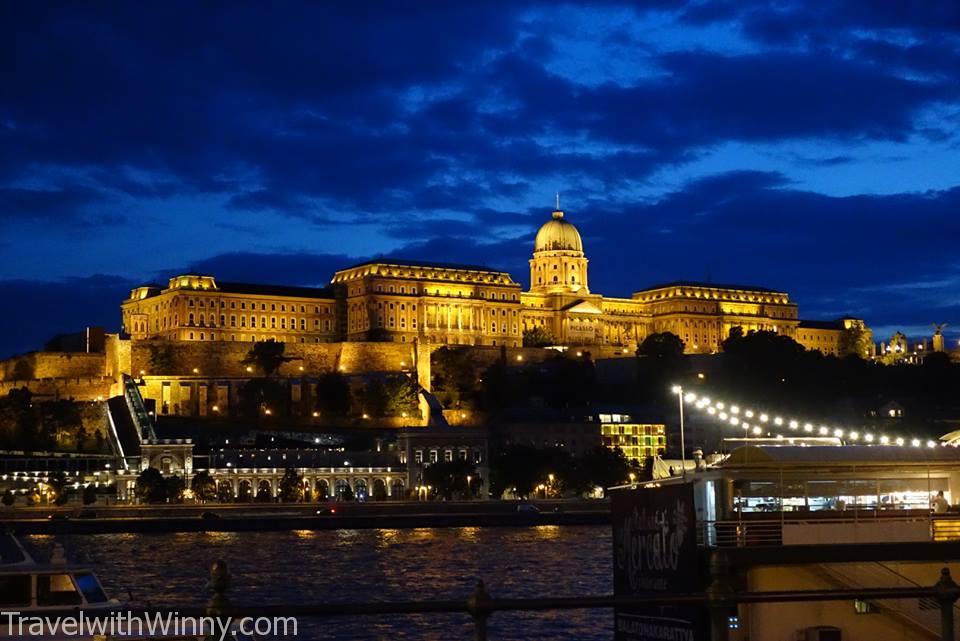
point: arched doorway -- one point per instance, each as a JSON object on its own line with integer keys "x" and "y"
{"x": 245, "y": 491}
{"x": 342, "y": 490}
{"x": 360, "y": 490}
{"x": 264, "y": 491}
{"x": 396, "y": 489}
{"x": 379, "y": 490}
{"x": 322, "y": 490}
{"x": 224, "y": 491}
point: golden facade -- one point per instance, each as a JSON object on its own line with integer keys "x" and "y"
{"x": 434, "y": 303}
{"x": 197, "y": 308}
{"x": 701, "y": 314}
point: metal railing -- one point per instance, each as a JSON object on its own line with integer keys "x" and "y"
{"x": 747, "y": 532}
{"x": 717, "y": 600}
{"x": 138, "y": 411}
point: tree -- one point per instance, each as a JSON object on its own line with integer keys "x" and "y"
{"x": 225, "y": 493}
{"x": 518, "y": 468}
{"x": 454, "y": 375}
{"x": 855, "y": 341}
{"x": 151, "y": 486}
{"x": 449, "y": 477}
{"x": 203, "y": 486}
{"x": 89, "y": 494}
{"x": 267, "y": 356}
{"x": 174, "y": 487}
{"x": 291, "y": 486}
{"x": 263, "y": 493}
{"x": 258, "y": 395}
{"x": 392, "y": 395}
{"x": 8, "y": 498}
{"x": 661, "y": 346}
{"x": 58, "y": 483}
{"x": 604, "y": 467}
{"x": 538, "y": 337}
{"x": 333, "y": 394}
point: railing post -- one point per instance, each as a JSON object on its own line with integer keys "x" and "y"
{"x": 219, "y": 582}
{"x": 478, "y": 605}
{"x": 718, "y": 593}
{"x": 947, "y": 596}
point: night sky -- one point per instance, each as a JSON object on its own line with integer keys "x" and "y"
{"x": 814, "y": 151}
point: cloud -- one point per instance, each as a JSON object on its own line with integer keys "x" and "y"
{"x": 239, "y": 142}
{"x": 46, "y": 308}
{"x": 69, "y": 204}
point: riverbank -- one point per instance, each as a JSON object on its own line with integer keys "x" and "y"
{"x": 302, "y": 516}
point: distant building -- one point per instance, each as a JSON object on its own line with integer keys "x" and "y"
{"x": 638, "y": 440}
{"x": 826, "y": 336}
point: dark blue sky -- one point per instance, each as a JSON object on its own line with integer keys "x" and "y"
{"x": 815, "y": 150}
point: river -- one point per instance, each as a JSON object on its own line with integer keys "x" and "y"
{"x": 368, "y": 565}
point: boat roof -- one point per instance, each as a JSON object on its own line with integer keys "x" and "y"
{"x": 851, "y": 454}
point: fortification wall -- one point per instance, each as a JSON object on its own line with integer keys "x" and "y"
{"x": 117, "y": 355}
{"x": 36, "y": 365}
{"x": 96, "y": 388}
{"x": 181, "y": 358}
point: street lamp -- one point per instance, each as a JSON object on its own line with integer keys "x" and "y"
{"x": 678, "y": 390}
{"x": 469, "y": 478}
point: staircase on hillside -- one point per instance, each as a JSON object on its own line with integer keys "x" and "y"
{"x": 130, "y": 422}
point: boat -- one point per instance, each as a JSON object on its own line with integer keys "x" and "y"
{"x": 60, "y": 601}
{"x": 49, "y": 588}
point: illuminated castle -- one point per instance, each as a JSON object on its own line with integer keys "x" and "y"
{"x": 403, "y": 301}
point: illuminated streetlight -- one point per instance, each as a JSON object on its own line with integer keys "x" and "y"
{"x": 678, "y": 390}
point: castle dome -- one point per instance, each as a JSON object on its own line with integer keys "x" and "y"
{"x": 558, "y": 234}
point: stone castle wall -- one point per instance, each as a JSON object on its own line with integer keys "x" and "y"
{"x": 38, "y": 365}
{"x": 96, "y": 388}
{"x": 219, "y": 358}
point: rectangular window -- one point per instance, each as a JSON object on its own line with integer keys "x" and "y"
{"x": 418, "y": 457}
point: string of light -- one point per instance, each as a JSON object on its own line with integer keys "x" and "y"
{"x": 759, "y": 424}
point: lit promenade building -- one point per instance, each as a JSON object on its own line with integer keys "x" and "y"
{"x": 441, "y": 304}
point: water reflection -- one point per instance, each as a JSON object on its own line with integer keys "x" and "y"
{"x": 468, "y": 533}
{"x": 547, "y": 532}
{"x": 364, "y": 565}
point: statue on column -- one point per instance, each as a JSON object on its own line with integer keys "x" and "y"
{"x": 938, "y": 345}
